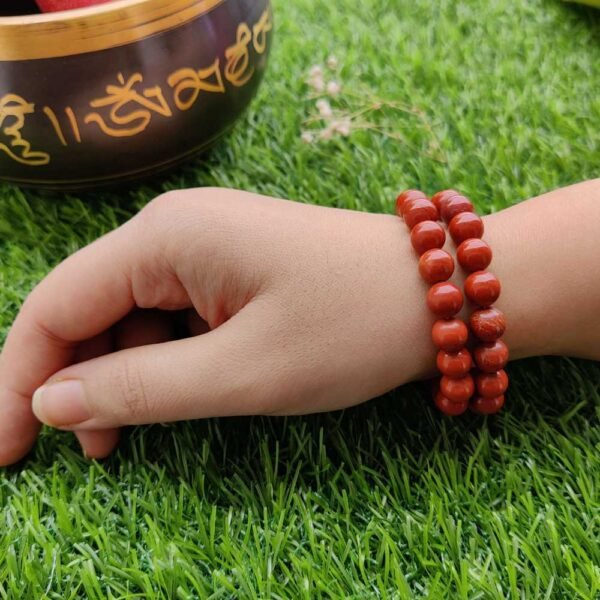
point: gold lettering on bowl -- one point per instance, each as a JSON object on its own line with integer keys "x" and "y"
{"x": 260, "y": 30}
{"x": 13, "y": 113}
{"x": 238, "y": 70}
{"x": 127, "y": 109}
{"x": 126, "y": 119}
{"x": 192, "y": 81}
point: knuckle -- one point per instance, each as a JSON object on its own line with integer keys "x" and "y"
{"x": 177, "y": 209}
{"x": 177, "y": 200}
{"x": 202, "y": 218}
{"x": 27, "y": 312}
{"x": 159, "y": 209}
{"x": 131, "y": 389}
{"x": 29, "y": 305}
{"x": 33, "y": 314}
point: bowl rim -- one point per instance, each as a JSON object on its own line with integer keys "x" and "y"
{"x": 67, "y": 15}
{"x": 94, "y": 28}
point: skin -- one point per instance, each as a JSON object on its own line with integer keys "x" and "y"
{"x": 292, "y": 308}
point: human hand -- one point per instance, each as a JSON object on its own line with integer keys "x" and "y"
{"x": 292, "y": 309}
{"x": 309, "y": 309}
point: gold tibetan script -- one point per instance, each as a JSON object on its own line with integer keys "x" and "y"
{"x": 131, "y": 110}
{"x": 128, "y": 107}
{"x": 260, "y": 30}
{"x": 188, "y": 83}
{"x": 13, "y": 111}
{"x": 238, "y": 70}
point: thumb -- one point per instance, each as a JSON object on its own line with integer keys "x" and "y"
{"x": 214, "y": 374}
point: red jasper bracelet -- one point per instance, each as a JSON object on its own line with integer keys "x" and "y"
{"x": 445, "y": 300}
{"x": 482, "y": 288}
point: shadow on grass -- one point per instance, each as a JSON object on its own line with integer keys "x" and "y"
{"x": 583, "y": 14}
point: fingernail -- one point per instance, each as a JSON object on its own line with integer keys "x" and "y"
{"x": 61, "y": 403}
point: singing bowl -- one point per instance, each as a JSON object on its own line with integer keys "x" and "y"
{"x": 120, "y": 90}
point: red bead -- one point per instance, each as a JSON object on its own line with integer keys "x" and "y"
{"x": 454, "y": 206}
{"x": 449, "y": 334}
{"x": 487, "y": 406}
{"x": 474, "y": 255}
{"x": 455, "y": 364}
{"x": 482, "y": 287}
{"x": 417, "y": 210}
{"x": 407, "y": 195}
{"x": 464, "y": 226}
{"x": 440, "y": 197}
{"x": 488, "y": 324}
{"x": 491, "y": 357}
{"x": 427, "y": 235}
{"x": 457, "y": 390}
{"x": 490, "y": 385}
{"x": 444, "y": 300}
{"x": 436, "y": 265}
{"x": 446, "y": 406}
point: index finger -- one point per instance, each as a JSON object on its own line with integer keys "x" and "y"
{"x": 82, "y": 297}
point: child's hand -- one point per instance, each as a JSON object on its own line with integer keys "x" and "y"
{"x": 310, "y": 309}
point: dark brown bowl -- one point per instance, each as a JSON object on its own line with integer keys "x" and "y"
{"x": 123, "y": 89}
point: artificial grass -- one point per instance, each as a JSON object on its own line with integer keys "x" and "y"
{"x": 387, "y": 499}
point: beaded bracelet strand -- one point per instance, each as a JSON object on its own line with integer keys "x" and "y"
{"x": 482, "y": 288}
{"x": 444, "y": 299}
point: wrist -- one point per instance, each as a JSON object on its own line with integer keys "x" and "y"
{"x": 545, "y": 253}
